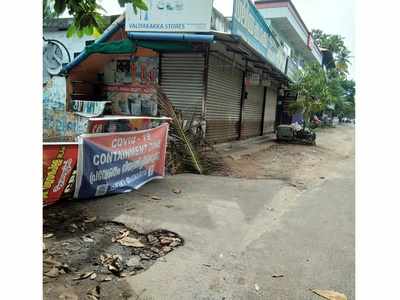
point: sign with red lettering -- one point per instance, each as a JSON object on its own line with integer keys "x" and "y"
{"x": 59, "y": 163}
{"x": 111, "y": 124}
{"x": 119, "y": 162}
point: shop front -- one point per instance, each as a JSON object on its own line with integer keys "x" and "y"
{"x": 103, "y": 133}
{"x": 253, "y": 105}
{"x": 108, "y": 93}
{"x": 182, "y": 79}
{"x": 283, "y": 114}
{"x": 271, "y": 100}
{"x": 223, "y": 102}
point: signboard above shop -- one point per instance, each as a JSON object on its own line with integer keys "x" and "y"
{"x": 248, "y": 23}
{"x": 170, "y": 16}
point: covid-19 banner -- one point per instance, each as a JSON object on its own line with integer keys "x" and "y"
{"x": 119, "y": 162}
{"x": 59, "y": 163}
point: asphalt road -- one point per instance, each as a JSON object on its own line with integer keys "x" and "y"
{"x": 313, "y": 247}
{"x": 240, "y": 233}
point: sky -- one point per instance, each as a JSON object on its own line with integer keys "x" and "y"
{"x": 333, "y": 17}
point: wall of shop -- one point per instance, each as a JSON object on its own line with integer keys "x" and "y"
{"x": 103, "y": 84}
{"x": 224, "y": 91}
{"x": 271, "y": 97}
{"x": 182, "y": 79}
{"x": 252, "y": 111}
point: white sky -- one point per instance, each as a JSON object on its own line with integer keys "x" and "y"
{"x": 334, "y": 17}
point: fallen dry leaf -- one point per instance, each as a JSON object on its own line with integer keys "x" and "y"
{"x": 177, "y": 191}
{"x": 105, "y": 259}
{"x": 122, "y": 234}
{"x": 330, "y": 295}
{"x": 93, "y": 294}
{"x": 93, "y": 276}
{"x": 113, "y": 269}
{"x": 49, "y": 260}
{"x": 68, "y": 296}
{"x": 130, "y": 242}
{"x": 87, "y": 239}
{"x": 90, "y": 219}
{"x": 115, "y": 264}
{"x": 83, "y": 276}
{"x": 108, "y": 278}
{"x": 53, "y": 273}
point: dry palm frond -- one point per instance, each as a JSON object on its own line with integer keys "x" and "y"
{"x": 183, "y": 140}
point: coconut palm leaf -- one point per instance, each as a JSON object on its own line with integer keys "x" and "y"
{"x": 179, "y": 133}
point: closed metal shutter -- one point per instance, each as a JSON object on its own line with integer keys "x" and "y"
{"x": 252, "y": 111}
{"x": 182, "y": 79}
{"x": 270, "y": 109}
{"x": 224, "y": 90}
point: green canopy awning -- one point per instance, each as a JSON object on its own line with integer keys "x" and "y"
{"x": 116, "y": 47}
{"x": 128, "y": 46}
{"x": 165, "y": 45}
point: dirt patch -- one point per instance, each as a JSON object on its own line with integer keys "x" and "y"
{"x": 83, "y": 255}
{"x": 299, "y": 165}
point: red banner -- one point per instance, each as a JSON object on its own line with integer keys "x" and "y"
{"x": 59, "y": 163}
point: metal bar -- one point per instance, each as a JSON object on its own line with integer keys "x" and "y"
{"x": 263, "y": 110}
{"x": 255, "y": 61}
{"x": 229, "y": 49}
{"x": 263, "y": 68}
{"x": 219, "y": 39}
{"x": 286, "y": 65}
{"x": 242, "y": 100}
{"x": 184, "y": 37}
{"x": 159, "y": 68}
{"x": 205, "y": 78}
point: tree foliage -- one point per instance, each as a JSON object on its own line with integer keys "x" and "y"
{"x": 346, "y": 108}
{"x": 335, "y": 44}
{"x": 312, "y": 88}
{"x": 319, "y": 90}
{"x": 87, "y": 14}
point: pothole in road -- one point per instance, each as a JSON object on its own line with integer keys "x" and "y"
{"x": 80, "y": 252}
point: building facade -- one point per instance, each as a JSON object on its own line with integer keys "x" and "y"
{"x": 232, "y": 74}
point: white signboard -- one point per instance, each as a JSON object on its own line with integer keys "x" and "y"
{"x": 170, "y": 16}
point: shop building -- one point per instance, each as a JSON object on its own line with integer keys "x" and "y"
{"x": 228, "y": 73}
{"x": 289, "y": 28}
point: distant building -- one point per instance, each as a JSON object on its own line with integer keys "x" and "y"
{"x": 56, "y": 29}
{"x": 289, "y": 28}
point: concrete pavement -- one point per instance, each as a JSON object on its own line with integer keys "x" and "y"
{"x": 239, "y": 233}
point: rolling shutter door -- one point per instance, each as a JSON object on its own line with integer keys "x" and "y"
{"x": 270, "y": 110}
{"x": 182, "y": 79}
{"x": 224, "y": 90}
{"x": 252, "y": 111}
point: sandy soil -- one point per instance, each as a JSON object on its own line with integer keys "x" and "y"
{"x": 299, "y": 165}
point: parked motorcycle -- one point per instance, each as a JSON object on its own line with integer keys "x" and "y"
{"x": 295, "y": 134}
